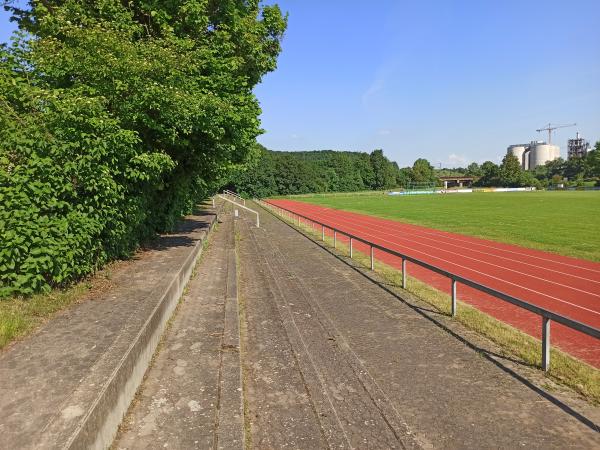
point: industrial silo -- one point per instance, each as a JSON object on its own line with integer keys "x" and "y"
{"x": 518, "y": 151}
{"x": 542, "y": 153}
{"x": 525, "y": 162}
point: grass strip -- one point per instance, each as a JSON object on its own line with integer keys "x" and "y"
{"x": 19, "y": 316}
{"x": 513, "y": 343}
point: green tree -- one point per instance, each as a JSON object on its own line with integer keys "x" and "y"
{"x": 404, "y": 177}
{"x": 557, "y": 179}
{"x": 422, "y": 171}
{"x": 555, "y": 167}
{"x": 474, "y": 170}
{"x": 362, "y": 163}
{"x": 281, "y": 173}
{"x": 575, "y": 168}
{"x": 527, "y": 178}
{"x": 593, "y": 161}
{"x": 510, "y": 172}
{"x": 385, "y": 173}
{"x": 348, "y": 178}
{"x": 296, "y": 176}
{"x": 117, "y": 117}
{"x": 490, "y": 173}
{"x": 257, "y": 179}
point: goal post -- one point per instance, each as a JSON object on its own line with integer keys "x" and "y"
{"x": 420, "y": 187}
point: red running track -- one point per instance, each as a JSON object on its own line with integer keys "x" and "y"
{"x": 564, "y": 285}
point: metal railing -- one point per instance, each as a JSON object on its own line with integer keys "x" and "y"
{"x": 546, "y": 315}
{"x": 235, "y": 195}
{"x": 241, "y": 206}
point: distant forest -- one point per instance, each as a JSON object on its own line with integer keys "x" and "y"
{"x": 286, "y": 173}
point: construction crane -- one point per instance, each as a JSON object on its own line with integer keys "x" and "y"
{"x": 551, "y": 127}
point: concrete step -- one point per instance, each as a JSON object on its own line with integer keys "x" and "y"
{"x": 192, "y": 394}
{"x": 70, "y": 383}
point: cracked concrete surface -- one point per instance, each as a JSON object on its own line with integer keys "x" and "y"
{"x": 191, "y": 397}
{"x": 334, "y": 361}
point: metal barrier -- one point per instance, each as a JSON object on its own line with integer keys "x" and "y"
{"x": 235, "y": 195}
{"x": 243, "y": 207}
{"x": 546, "y": 315}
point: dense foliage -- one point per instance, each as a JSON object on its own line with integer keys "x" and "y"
{"x": 288, "y": 173}
{"x": 283, "y": 173}
{"x": 115, "y": 119}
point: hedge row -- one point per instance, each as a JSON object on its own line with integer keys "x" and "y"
{"x": 115, "y": 119}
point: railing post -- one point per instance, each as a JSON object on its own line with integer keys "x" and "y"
{"x": 453, "y": 308}
{"x": 334, "y": 239}
{"x": 350, "y": 248}
{"x": 403, "y": 273}
{"x": 323, "y": 232}
{"x": 545, "y": 344}
{"x": 372, "y": 258}
{"x": 213, "y": 200}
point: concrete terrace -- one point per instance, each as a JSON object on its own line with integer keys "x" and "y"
{"x": 277, "y": 342}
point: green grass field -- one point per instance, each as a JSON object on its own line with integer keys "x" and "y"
{"x": 567, "y": 223}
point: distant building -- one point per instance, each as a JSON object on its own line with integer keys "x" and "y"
{"x": 536, "y": 153}
{"x": 578, "y": 147}
{"x": 458, "y": 181}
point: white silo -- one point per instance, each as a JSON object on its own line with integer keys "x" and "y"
{"x": 526, "y": 156}
{"x": 518, "y": 151}
{"x": 542, "y": 153}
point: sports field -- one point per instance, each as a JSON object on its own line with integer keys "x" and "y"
{"x": 566, "y": 223}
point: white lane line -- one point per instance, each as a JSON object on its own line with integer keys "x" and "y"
{"x": 482, "y": 262}
{"x": 466, "y": 240}
{"x": 415, "y": 237}
{"x": 504, "y": 281}
{"x": 441, "y": 233}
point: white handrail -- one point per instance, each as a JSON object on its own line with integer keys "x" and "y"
{"x": 244, "y": 207}
{"x": 233, "y": 194}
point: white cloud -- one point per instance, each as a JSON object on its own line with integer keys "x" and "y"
{"x": 457, "y": 160}
{"x": 294, "y": 136}
{"x": 384, "y": 132}
{"x": 382, "y": 75}
{"x": 375, "y": 87}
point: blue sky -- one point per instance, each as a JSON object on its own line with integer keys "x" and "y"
{"x": 451, "y": 81}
